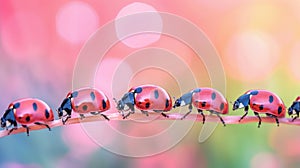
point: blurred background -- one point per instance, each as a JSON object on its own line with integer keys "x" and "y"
{"x": 258, "y": 42}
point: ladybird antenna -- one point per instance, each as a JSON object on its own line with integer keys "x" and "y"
{"x": 58, "y": 113}
{"x": 116, "y": 101}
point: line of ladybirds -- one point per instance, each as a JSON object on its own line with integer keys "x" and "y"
{"x": 146, "y": 98}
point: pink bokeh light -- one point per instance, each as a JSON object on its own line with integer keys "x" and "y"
{"x": 76, "y": 21}
{"x": 139, "y": 40}
{"x": 265, "y": 160}
{"x": 251, "y": 56}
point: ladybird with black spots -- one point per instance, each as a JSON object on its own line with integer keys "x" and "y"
{"x": 27, "y": 111}
{"x": 295, "y": 108}
{"x": 83, "y": 101}
{"x": 204, "y": 99}
{"x": 145, "y": 98}
{"x": 261, "y": 101}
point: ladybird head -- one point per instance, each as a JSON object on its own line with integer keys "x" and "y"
{"x": 236, "y": 105}
{"x": 290, "y": 111}
{"x": 241, "y": 102}
{"x": 65, "y": 108}
{"x": 127, "y": 99}
{"x": 294, "y": 107}
{"x": 185, "y": 99}
{"x": 3, "y": 122}
{"x": 8, "y": 118}
{"x": 120, "y": 105}
{"x": 59, "y": 112}
{"x": 177, "y": 102}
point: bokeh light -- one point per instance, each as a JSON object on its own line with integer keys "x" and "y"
{"x": 252, "y": 56}
{"x": 266, "y": 160}
{"x": 76, "y": 21}
{"x": 139, "y": 40}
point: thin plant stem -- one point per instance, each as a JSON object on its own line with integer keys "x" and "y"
{"x": 139, "y": 116}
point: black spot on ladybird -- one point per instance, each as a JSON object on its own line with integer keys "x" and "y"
{"x": 47, "y": 114}
{"x": 140, "y": 102}
{"x": 254, "y": 92}
{"x": 279, "y": 109}
{"x": 203, "y": 104}
{"x": 34, "y": 105}
{"x": 84, "y": 107}
{"x": 17, "y": 105}
{"x": 222, "y": 106}
{"x": 261, "y": 107}
{"x": 27, "y": 118}
{"x": 75, "y": 94}
{"x": 138, "y": 90}
{"x": 271, "y": 98}
{"x": 156, "y": 94}
{"x": 147, "y": 105}
{"x": 103, "y": 104}
{"x": 213, "y": 96}
{"x": 92, "y": 94}
{"x": 197, "y": 90}
{"x": 167, "y": 103}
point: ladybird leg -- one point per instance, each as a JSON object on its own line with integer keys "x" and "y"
{"x": 259, "y": 119}
{"x": 223, "y": 122}
{"x": 128, "y": 114}
{"x": 145, "y": 112}
{"x": 132, "y": 111}
{"x": 275, "y": 117}
{"x": 294, "y": 118}
{"x": 202, "y": 114}
{"x": 11, "y": 130}
{"x": 190, "y": 110}
{"x": 14, "y": 128}
{"x": 64, "y": 121}
{"x": 82, "y": 116}
{"x": 122, "y": 113}
{"x": 95, "y": 113}
{"x": 246, "y": 113}
{"x": 297, "y": 116}
{"x": 218, "y": 114}
{"x": 103, "y": 115}
{"x": 38, "y": 123}
{"x": 27, "y": 129}
{"x": 161, "y": 112}
{"x": 165, "y": 115}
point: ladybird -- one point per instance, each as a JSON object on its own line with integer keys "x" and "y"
{"x": 295, "y": 108}
{"x": 204, "y": 99}
{"x": 145, "y": 98}
{"x": 26, "y": 112}
{"x": 261, "y": 101}
{"x": 83, "y": 101}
